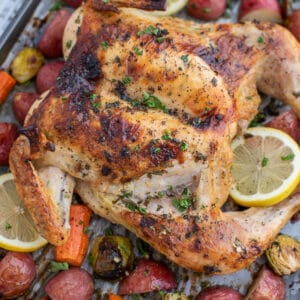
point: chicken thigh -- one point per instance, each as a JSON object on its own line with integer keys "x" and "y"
{"x": 140, "y": 121}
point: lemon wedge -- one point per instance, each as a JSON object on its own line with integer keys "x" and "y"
{"x": 172, "y": 7}
{"x": 266, "y": 167}
{"x": 17, "y": 231}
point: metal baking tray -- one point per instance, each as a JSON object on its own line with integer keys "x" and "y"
{"x": 20, "y": 25}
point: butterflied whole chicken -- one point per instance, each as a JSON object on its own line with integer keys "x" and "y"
{"x": 139, "y": 123}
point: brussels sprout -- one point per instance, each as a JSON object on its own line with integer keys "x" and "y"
{"x": 111, "y": 256}
{"x": 284, "y": 255}
{"x": 26, "y": 64}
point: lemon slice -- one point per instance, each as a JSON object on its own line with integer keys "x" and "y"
{"x": 266, "y": 167}
{"x": 17, "y": 231}
{"x": 173, "y": 7}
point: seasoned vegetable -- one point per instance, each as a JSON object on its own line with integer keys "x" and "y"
{"x": 74, "y": 250}
{"x": 267, "y": 286}
{"x": 111, "y": 256}
{"x": 174, "y": 296}
{"x": 206, "y": 9}
{"x": 50, "y": 43}
{"x": 260, "y": 10}
{"x": 114, "y": 297}
{"x": 22, "y": 102}
{"x": 219, "y": 293}
{"x": 287, "y": 122}
{"x": 293, "y": 24}
{"x": 148, "y": 276}
{"x": 6, "y": 85}
{"x": 8, "y": 134}
{"x": 17, "y": 271}
{"x": 26, "y": 64}
{"x": 73, "y": 284}
{"x": 284, "y": 255}
{"x": 47, "y": 75}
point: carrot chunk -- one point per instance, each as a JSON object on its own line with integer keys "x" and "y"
{"x": 114, "y": 297}
{"x": 74, "y": 250}
{"x": 7, "y": 83}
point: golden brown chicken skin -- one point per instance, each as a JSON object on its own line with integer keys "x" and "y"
{"x": 143, "y": 113}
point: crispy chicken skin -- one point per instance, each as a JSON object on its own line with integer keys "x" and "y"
{"x": 143, "y": 112}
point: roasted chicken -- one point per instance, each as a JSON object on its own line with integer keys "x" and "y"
{"x": 140, "y": 123}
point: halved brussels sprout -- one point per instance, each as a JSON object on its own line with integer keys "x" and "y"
{"x": 111, "y": 256}
{"x": 284, "y": 255}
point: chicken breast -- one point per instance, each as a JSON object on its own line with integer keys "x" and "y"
{"x": 142, "y": 117}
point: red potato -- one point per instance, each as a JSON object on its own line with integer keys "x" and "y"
{"x": 287, "y": 122}
{"x": 8, "y": 133}
{"x": 72, "y": 284}
{"x": 219, "y": 293}
{"x": 267, "y": 286}
{"x": 293, "y": 24}
{"x": 73, "y": 3}
{"x": 22, "y": 102}
{"x": 17, "y": 271}
{"x": 148, "y": 276}
{"x": 47, "y": 75}
{"x": 260, "y": 10}
{"x": 50, "y": 43}
{"x": 206, "y": 9}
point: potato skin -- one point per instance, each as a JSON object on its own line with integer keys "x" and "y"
{"x": 8, "y": 134}
{"x": 267, "y": 286}
{"x": 254, "y": 6}
{"x": 293, "y": 24}
{"x": 50, "y": 43}
{"x": 47, "y": 75}
{"x": 219, "y": 293}
{"x": 17, "y": 271}
{"x": 26, "y": 64}
{"x": 72, "y": 284}
{"x": 73, "y": 3}
{"x": 287, "y": 122}
{"x": 22, "y": 102}
{"x": 206, "y": 9}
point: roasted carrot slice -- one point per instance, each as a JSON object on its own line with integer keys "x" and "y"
{"x": 114, "y": 297}
{"x": 74, "y": 250}
{"x": 7, "y": 83}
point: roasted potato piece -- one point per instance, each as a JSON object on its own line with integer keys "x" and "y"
{"x": 26, "y": 64}
{"x": 284, "y": 255}
{"x": 174, "y": 296}
{"x": 111, "y": 256}
{"x": 219, "y": 293}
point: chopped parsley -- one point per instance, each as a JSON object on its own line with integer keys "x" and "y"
{"x": 130, "y": 206}
{"x": 138, "y": 51}
{"x": 160, "y": 39}
{"x": 167, "y": 135}
{"x": 264, "y": 161}
{"x": 184, "y": 146}
{"x": 137, "y": 148}
{"x": 185, "y": 201}
{"x": 126, "y": 194}
{"x": 156, "y": 150}
{"x": 56, "y": 5}
{"x": 69, "y": 44}
{"x": 104, "y": 44}
{"x": 7, "y": 226}
{"x": 58, "y": 266}
{"x": 184, "y": 58}
{"x": 85, "y": 230}
{"x": 133, "y": 207}
{"x": 288, "y": 157}
{"x": 153, "y": 102}
{"x": 258, "y": 119}
{"x": 126, "y": 80}
{"x": 150, "y": 30}
{"x": 118, "y": 61}
{"x": 105, "y": 1}
{"x": 260, "y": 40}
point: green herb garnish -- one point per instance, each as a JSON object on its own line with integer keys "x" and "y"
{"x": 184, "y": 201}
{"x": 288, "y": 157}
{"x": 126, "y": 80}
{"x": 58, "y": 266}
{"x": 264, "y": 161}
{"x": 184, "y": 58}
{"x": 104, "y": 44}
{"x": 138, "y": 51}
